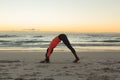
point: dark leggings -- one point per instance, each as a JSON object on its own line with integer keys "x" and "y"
{"x": 65, "y": 40}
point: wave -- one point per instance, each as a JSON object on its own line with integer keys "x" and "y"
{"x": 31, "y": 41}
{"x": 24, "y": 42}
{"x": 4, "y": 41}
{"x": 104, "y": 41}
{"x": 5, "y": 36}
{"x": 38, "y": 36}
{"x": 84, "y": 45}
{"x": 27, "y": 41}
{"x": 10, "y": 36}
{"x": 111, "y": 41}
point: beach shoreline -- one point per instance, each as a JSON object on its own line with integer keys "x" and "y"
{"x": 63, "y": 49}
{"x": 93, "y": 65}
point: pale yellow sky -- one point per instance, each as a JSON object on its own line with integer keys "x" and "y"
{"x": 84, "y": 28}
{"x": 60, "y": 15}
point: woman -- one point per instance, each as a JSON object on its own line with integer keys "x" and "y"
{"x": 54, "y": 43}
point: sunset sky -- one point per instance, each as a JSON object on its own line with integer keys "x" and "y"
{"x": 60, "y": 15}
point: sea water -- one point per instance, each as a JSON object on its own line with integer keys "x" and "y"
{"x": 40, "y": 41}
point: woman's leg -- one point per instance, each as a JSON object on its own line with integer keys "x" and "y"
{"x": 48, "y": 53}
{"x": 65, "y": 40}
{"x": 47, "y": 56}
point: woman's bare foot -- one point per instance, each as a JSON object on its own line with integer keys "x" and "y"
{"x": 76, "y": 60}
{"x": 45, "y": 61}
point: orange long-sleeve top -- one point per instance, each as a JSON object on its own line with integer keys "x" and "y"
{"x": 53, "y": 44}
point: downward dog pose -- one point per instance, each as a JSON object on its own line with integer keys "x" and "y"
{"x": 54, "y": 43}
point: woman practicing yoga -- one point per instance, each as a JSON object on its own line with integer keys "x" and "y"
{"x": 54, "y": 43}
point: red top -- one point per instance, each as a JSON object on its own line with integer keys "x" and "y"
{"x": 53, "y": 44}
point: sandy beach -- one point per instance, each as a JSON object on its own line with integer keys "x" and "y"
{"x": 93, "y": 65}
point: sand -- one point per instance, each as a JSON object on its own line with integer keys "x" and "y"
{"x": 93, "y": 65}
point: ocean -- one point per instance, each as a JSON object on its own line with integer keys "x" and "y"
{"x": 39, "y": 41}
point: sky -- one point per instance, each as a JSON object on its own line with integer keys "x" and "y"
{"x": 60, "y": 15}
